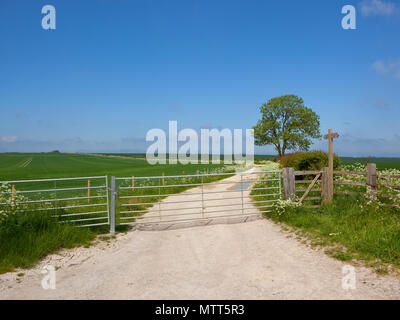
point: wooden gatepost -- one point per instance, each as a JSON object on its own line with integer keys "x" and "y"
{"x": 288, "y": 183}
{"x": 326, "y": 175}
{"x": 328, "y": 185}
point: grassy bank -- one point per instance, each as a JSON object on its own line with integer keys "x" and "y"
{"x": 27, "y": 237}
{"x": 352, "y": 227}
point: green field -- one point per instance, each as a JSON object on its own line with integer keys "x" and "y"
{"x": 25, "y": 166}
{"x": 381, "y": 163}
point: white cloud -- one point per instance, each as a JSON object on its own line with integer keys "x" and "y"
{"x": 389, "y": 66}
{"x": 9, "y": 139}
{"x": 377, "y": 7}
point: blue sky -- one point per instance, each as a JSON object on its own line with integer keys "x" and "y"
{"x": 112, "y": 70}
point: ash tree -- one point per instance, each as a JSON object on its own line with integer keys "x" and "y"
{"x": 287, "y": 124}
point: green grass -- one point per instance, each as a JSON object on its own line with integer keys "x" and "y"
{"x": 27, "y": 237}
{"x": 367, "y": 232}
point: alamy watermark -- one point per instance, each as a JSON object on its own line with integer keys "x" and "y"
{"x": 49, "y": 20}
{"x": 49, "y": 280}
{"x": 349, "y": 20}
{"x": 195, "y": 147}
{"x": 349, "y": 278}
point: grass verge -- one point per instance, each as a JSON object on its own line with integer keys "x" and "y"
{"x": 350, "y": 228}
{"x": 27, "y": 237}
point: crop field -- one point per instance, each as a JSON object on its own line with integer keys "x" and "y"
{"x": 381, "y": 163}
{"x": 26, "y": 166}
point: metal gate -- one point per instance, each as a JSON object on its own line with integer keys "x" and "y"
{"x": 170, "y": 199}
{"x": 83, "y": 201}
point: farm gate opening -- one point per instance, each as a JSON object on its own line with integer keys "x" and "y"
{"x": 169, "y": 199}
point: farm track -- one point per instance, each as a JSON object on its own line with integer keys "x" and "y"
{"x": 214, "y": 204}
{"x": 25, "y": 163}
{"x": 241, "y": 260}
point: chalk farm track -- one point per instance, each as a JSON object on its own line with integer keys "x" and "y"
{"x": 229, "y": 259}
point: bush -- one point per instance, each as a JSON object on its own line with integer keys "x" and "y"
{"x": 313, "y": 160}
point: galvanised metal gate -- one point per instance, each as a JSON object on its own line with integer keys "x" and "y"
{"x": 83, "y": 201}
{"x": 170, "y": 199}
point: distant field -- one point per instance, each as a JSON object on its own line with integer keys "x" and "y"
{"x": 23, "y": 166}
{"x": 20, "y": 166}
{"x": 381, "y": 163}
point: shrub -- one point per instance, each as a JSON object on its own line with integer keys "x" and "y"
{"x": 9, "y": 204}
{"x": 313, "y": 160}
{"x": 282, "y": 206}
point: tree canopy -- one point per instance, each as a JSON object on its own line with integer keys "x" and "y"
{"x": 287, "y": 124}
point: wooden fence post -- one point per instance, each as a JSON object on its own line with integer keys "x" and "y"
{"x": 133, "y": 183}
{"x": 325, "y": 185}
{"x": 372, "y": 180}
{"x": 288, "y": 183}
{"x": 13, "y": 192}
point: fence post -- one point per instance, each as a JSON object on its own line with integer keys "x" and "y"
{"x": 288, "y": 183}
{"x": 113, "y": 204}
{"x": 325, "y": 185}
{"x": 372, "y": 180}
{"x": 88, "y": 191}
{"x": 13, "y": 192}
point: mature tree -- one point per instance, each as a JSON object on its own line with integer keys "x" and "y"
{"x": 287, "y": 124}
